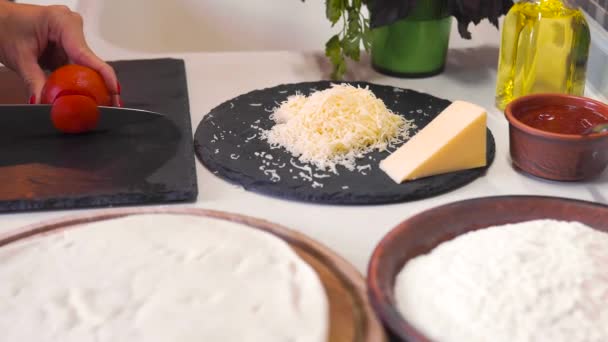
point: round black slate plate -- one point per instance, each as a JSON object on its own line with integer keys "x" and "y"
{"x": 227, "y": 143}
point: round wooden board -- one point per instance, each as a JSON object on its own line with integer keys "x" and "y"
{"x": 351, "y": 316}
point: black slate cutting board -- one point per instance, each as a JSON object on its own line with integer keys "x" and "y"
{"x": 227, "y": 142}
{"x": 143, "y": 163}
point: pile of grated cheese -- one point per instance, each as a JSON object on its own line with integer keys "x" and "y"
{"x": 336, "y": 126}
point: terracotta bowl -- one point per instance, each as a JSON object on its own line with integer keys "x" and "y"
{"x": 562, "y": 157}
{"x": 423, "y": 232}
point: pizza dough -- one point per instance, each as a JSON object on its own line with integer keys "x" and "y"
{"x": 159, "y": 278}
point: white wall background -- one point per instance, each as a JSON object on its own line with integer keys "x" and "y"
{"x": 212, "y": 25}
{"x": 226, "y": 25}
{"x": 159, "y": 26}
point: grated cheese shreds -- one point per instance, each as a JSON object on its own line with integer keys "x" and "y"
{"x": 336, "y": 126}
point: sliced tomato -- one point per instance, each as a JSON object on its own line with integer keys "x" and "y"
{"x": 75, "y": 114}
{"x": 76, "y": 79}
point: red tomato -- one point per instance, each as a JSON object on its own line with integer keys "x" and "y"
{"x": 74, "y": 114}
{"x": 76, "y": 79}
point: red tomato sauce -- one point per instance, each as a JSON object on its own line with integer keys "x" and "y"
{"x": 562, "y": 119}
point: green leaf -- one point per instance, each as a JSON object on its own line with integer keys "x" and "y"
{"x": 339, "y": 70}
{"x": 367, "y": 35}
{"x": 351, "y": 43}
{"x": 354, "y": 24}
{"x": 333, "y": 50}
{"x": 355, "y": 31}
{"x": 334, "y": 9}
{"x": 351, "y": 47}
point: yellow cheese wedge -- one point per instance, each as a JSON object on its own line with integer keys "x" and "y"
{"x": 455, "y": 140}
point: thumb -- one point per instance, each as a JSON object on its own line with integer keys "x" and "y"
{"x": 34, "y": 79}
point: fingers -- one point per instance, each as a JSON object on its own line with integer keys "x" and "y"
{"x": 88, "y": 58}
{"x": 53, "y": 57}
{"x": 34, "y": 78}
{"x": 84, "y": 56}
{"x": 67, "y": 30}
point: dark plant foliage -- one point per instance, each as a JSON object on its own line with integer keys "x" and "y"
{"x": 386, "y": 12}
{"x": 357, "y": 29}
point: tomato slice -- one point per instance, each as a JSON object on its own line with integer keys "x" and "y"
{"x": 75, "y": 92}
{"x": 74, "y": 114}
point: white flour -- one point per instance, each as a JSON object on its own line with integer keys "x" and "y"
{"x": 534, "y": 281}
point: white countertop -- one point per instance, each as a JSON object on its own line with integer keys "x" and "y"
{"x": 353, "y": 232}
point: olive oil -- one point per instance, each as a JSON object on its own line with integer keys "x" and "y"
{"x": 544, "y": 49}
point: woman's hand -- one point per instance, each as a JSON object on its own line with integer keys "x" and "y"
{"x": 36, "y": 37}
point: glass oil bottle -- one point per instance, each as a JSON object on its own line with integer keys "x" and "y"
{"x": 544, "y": 49}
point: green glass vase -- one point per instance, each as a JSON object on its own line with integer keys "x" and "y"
{"x": 416, "y": 46}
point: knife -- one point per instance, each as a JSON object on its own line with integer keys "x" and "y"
{"x": 36, "y": 119}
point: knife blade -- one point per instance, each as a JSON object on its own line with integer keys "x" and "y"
{"x": 111, "y": 117}
{"x": 36, "y": 119}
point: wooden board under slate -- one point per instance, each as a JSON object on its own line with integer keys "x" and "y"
{"x": 136, "y": 164}
{"x": 227, "y": 142}
{"x": 351, "y": 318}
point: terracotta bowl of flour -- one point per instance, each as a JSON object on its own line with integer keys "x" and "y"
{"x": 420, "y": 234}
